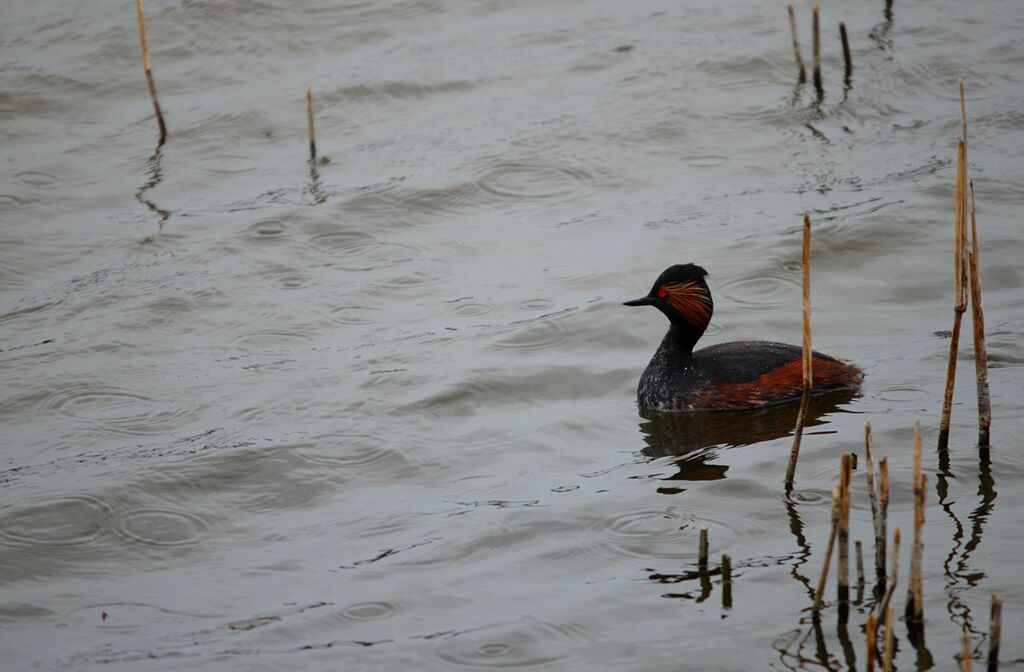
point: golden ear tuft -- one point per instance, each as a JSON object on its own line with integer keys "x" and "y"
{"x": 691, "y": 300}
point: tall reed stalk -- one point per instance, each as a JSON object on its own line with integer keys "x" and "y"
{"x": 141, "y": 12}
{"x": 808, "y": 372}
{"x": 960, "y": 272}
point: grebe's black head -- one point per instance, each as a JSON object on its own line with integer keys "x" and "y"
{"x": 683, "y": 295}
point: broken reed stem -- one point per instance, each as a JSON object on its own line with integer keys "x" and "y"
{"x": 895, "y": 559}
{"x": 726, "y": 581}
{"x": 847, "y": 61}
{"x": 876, "y": 513}
{"x": 883, "y": 511}
{"x": 980, "y": 351}
{"x": 843, "y": 536}
{"x": 995, "y": 632}
{"x": 796, "y": 44}
{"x": 870, "y": 630}
{"x": 309, "y": 119}
{"x": 888, "y": 10}
{"x": 816, "y": 43}
{"x": 702, "y": 549}
{"x": 966, "y": 657}
{"x": 859, "y": 550}
{"x": 820, "y": 592}
{"x": 887, "y": 657}
{"x": 960, "y": 287}
{"x": 963, "y": 113}
{"x": 808, "y": 372}
{"x": 149, "y": 72}
{"x": 919, "y": 543}
{"x": 894, "y": 576}
{"x": 915, "y": 598}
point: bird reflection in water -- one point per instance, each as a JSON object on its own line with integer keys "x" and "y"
{"x": 687, "y": 436}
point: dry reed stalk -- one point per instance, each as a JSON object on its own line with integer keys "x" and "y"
{"x": 843, "y": 536}
{"x": 980, "y": 351}
{"x": 309, "y": 120}
{"x": 966, "y": 657}
{"x": 149, "y": 71}
{"x": 702, "y": 549}
{"x": 889, "y": 643}
{"x": 820, "y": 592}
{"x": 726, "y": 582}
{"x": 915, "y": 597}
{"x": 796, "y": 44}
{"x": 870, "y": 629}
{"x": 808, "y": 371}
{"x": 959, "y": 271}
{"x": 995, "y": 632}
{"x": 847, "y": 61}
{"x": 876, "y": 512}
{"x": 888, "y": 10}
{"x": 816, "y": 43}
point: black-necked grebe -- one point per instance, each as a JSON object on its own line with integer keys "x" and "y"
{"x": 728, "y": 376}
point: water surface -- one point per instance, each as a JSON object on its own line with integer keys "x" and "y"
{"x": 378, "y": 412}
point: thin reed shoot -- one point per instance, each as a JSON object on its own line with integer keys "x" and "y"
{"x": 309, "y": 121}
{"x": 796, "y": 44}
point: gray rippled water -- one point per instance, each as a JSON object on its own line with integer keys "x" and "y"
{"x": 377, "y": 412}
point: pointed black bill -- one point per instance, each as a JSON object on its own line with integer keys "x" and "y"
{"x": 646, "y": 301}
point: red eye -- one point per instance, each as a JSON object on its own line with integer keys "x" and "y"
{"x": 662, "y": 293}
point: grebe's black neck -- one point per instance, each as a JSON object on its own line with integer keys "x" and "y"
{"x": 678, "y": 343}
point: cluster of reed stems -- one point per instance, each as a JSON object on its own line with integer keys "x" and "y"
{"x": 816, "y": 48}
{"x": 884, "y": 612}
{"x": 966, "y": 274}
{"x": 881, "y": 618}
